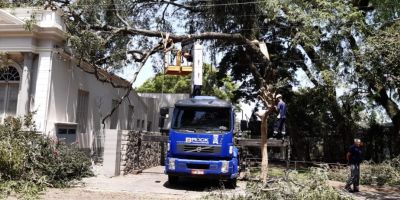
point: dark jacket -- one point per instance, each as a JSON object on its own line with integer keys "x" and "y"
{"x": 355, "y": 154}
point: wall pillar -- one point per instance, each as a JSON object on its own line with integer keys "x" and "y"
{"x": 24, "y": 91}
{"x": 112, "y": 152}
{"x": 42, "y": 93}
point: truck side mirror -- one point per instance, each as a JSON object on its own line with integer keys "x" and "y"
{"x": 164, "y": 111}
{"x": 244, "y": 126}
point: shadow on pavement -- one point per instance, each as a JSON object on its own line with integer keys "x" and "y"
{"x": 371, "y": 192}
{"x": 196, "y": 184}
{"x": 380, "y": 193}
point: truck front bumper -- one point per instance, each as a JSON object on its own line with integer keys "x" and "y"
{"x": 216, "y": 169}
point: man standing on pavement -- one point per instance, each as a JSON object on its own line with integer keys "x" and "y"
{"x": 281, "y": 108}
{"x": 354, "y": 158}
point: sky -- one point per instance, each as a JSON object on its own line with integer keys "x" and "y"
{"x": 146, "y": 73}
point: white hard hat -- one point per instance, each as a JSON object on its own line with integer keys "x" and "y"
{"x": 278, "y": 96}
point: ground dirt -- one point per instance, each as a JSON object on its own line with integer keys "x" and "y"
{"x": 370, "y": 192}
{"x": 150, "y": 184}
{"x": 153, "y": 184}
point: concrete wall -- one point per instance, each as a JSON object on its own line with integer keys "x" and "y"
{"x": 162, "y": 100}
{"x": 152, "y": 117}
{"x": 44, "y": 18}
{"x": 137, "y": 155}
{"x": 66, "y": 80}
{"x": 112, "y": 153}
{"x": 125, "y": 152}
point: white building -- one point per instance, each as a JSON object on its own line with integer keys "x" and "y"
{"x": 41, "y": 78}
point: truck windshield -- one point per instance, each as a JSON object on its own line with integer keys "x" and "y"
{"x": 208, "y": 119}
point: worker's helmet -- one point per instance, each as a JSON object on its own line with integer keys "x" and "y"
{"x": 278, "y": 96}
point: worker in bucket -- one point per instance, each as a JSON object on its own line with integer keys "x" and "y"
{"x": 354, "y": 158}
{"x": 281, "y": 109}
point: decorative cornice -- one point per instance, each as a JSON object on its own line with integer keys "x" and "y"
{"x": 37, "y": 32}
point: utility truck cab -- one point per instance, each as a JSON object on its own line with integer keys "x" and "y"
{"x": 201, "y": 141}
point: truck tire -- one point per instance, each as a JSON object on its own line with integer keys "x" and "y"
{"x": 173, "y": 180}
{"x": 231, "y": 183}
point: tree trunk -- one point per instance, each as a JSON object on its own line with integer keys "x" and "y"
{"x": 393, "y": 111}
{"x": 264, "y": 150}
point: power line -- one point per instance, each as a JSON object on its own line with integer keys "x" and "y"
{"x": 259, "y": 28}
{"x": 207, "y": 5}
{"x": 239, "y": 3}
{"x": 244, "y": 29}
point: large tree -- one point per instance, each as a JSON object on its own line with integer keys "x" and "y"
{"x": 377, "y": 60}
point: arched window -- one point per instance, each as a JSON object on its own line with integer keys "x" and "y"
{"x": 9, "y": 74}
{"x": 9, "y": 85}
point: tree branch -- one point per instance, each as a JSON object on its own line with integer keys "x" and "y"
{"x": 145, "y": 57}
{"x": 251, "y": 45}
{"x": 186, "y": 7}
{"x": 119, "y": 16}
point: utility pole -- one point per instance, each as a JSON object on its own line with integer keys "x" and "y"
{"x": 197, "y": 73}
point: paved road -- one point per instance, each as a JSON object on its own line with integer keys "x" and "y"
{"x": 151, "y": 184}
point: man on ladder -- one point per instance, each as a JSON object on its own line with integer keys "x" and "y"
{"x": 281, "y": 109}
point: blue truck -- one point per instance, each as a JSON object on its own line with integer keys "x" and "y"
{"x": 201, "y": 141}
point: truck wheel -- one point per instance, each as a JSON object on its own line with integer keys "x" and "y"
{"x": 231, "y": 183}
{"x": 173, "y": 180}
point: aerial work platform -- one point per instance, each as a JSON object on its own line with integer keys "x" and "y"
{"x": 178, "y": 69}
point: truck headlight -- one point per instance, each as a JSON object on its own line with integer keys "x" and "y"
{"x": 172, "y": 163}
{"x": 168, "y": 146}
{"x": 225, "y": 166}
{"x": 230, "y": 149}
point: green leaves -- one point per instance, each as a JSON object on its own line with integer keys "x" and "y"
{"x": 167, "y": 84}
{"x": 380, "y": 60}
{"x": 30, "y": 162}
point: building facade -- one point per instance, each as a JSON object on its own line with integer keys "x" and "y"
{"x": 39, "y": 76}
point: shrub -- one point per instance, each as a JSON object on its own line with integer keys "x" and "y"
{"x": 385, "y": 173}
{"x": 338, "y": 174}
{"x": 29, "y": 162}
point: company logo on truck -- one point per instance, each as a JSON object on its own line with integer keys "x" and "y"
{"x": 215, "y": 139}
{"x": 196, "y": 140}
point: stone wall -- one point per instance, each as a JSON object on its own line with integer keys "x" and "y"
{"x": 137, "y": 155}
